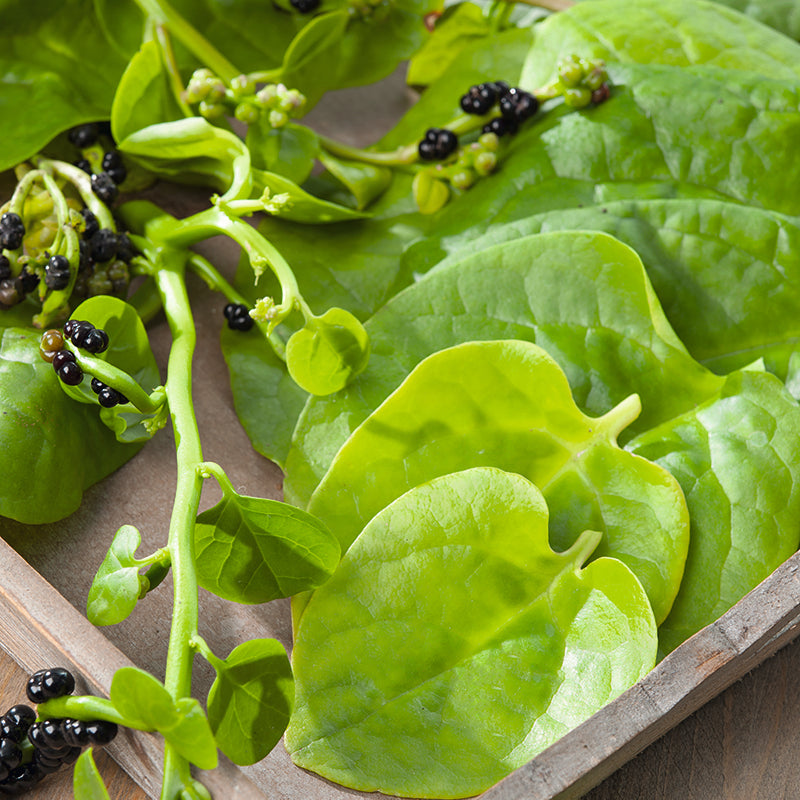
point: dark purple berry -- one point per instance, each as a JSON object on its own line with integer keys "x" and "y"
{"x": 84, "y": 164}
{"x": 21, "y": 715}
{"x": 72, "y": 375}
{"x": 29, "y": 279}
{"x": 92, "y": 225}
{"x": 97, "y": 385}
{"x": 21, "y": 779}
{"x": 107, "y": 397}
{"x": 238, "y": 317}
{"x": 103, "y": 245}
{"x": 125, "y": 248}
{"x": 61, "y": 358}
{"x": 75, "y": 733}
{"x": 80, "y": 332}
{"x": 104, "y": 187}
{"x": 5, "y": 268}
{"x": 70, "y": 326}
{"x": 100, "y": 732}
{"x": 427, "y": 150}
{"x": 113, "y": 166}
{"x": 84, "y": 256}
{"x": 305, "y": 6}
{"x": 82, "y": 136}
{"x": 46, "y": 764}
{"x": 95, "y": 341}
{"x": 479, "y": 99}
{"x": 52, "y": 734}
{"x": 57, "y": 273}
{"x": 12, "y": 231}
{"x": 10, "y": 753}
{"x": 500, "y": 126}
{"x": 601, "y": 94}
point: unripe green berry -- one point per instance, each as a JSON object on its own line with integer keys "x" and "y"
{"x": 577, "y": 97}
{"x": 247, "y": 112}
{"x": 490, "y": 141}
{"x": 464, "y": 179}
{"x": 485, "y": 162}
{"x": 570, "y": 72}
{"x": 596, "y": 76}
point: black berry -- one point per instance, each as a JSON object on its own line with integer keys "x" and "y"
{"x": 305, "y": 6}
{"x": 92, "y": 225}
{"x": 84, "y": 164}
{"x": 61, "y": 358}
{"x": 83, "y": 135}
{"x": 28, "y": 279}
{"x": 103, "y": 245}
{"x": 479, "y": 98}
{"x": 437, "y": 144}
{"x": 500, "y": 126}
{"x": 107, "y": 397}
{"x": 100, "y": 732}
{"x": 74, "y": 732}
{"x": 104, "y": 187}
{"x": 95, "y": 341}
{"x": 5, "y": 268}
{"x": 57, "y": 273}
{"x": 10, "y": 753}
{"x": 125, "y": 248}
{"x": 238, "y": 317}
{"x": 47, "y": 684}
{"x": 80, "y": 332}
{"x": 113, "y": 166}
{"x": 12, "y": 231}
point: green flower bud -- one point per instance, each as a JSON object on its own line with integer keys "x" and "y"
{"x": 211, "y": 110}
{"x": 277, "y": 119}
{"x": 485, "y": 163}
{"x": 216, "y": 90}
{"x": 292, "y": 102}
{"x": 267, "y": 96}
{"x": 577, "y": 97}
{"x": 202, "y": 75}
{"x": 242, "y": 85}
{"x": 247, "y": 112}
{"x": 570, "y": 72}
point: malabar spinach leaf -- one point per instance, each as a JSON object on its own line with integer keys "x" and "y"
{"x": 735, "y": 457}
{"x": 252, "y": 549}
{"x": 584, "y": 297}
{"x": 680, "y": 33}
{"x": 408, "y": 686}
{"x": 53, "y": 447}
{"x": 726, "y": 274}
{"x": 289, "y": 151}
{"x": 251, "y": 699}
{"x": 507, "y": 404}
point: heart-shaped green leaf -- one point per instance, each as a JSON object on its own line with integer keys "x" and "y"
{"x": 408, "y": 686}
{"x": 142, "y": 699}
{"x": 251, "y": 699}
{"x": 507, "y": 404}
{"x": 327, "y": 352}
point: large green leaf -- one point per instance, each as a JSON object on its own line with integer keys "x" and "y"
{"x": 53, "y": 446}
{"x": 726, "y": 274}
{"x": 679, "y": 33}
{"x": 453, "y": 644}
{"x": 507, "y": 404}
{"x": 49, "y": 56}
{"x": 584, "y": 297}
{"x": 736, "y": 458}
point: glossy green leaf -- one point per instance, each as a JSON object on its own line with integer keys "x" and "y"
{"x": 251, "y": 699}
{"x": 144, "y": 96}
{"x": 408, "y": 686}
{"x": 327, "y": 352}
{"x": 129, "y": 350}
{"x": 507, "y": 404}
{"x": 679, "y": 33}
{"x": 454, "y": 31}
{"x": 87, "y": 782}
{"x": 253, "y": 550}
{"x": 116, "y": 586}
{"x": 289, "y": 151}
{"x": 783, "y": 15}
{"x": 603, "y": 326}
{"x": 142, "y": 700}
{"x": 191, "y": 150}
{"x": 727, "y": 275}
{"x": 53, "y": 447}
{"x": 48, "y": 83}
{"x": 735, "y": 457}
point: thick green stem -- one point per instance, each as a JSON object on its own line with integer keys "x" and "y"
{"x": 205, "y": 52}
{"x": 178, "y": 678}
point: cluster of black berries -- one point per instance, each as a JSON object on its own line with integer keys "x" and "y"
{"x": 238, "y": 317}
{"x": 305, "y": 6}
{"x": 31, "y": 749}
{"x": 13, "y": 289}
{"x": 103, "y": 261}
{"x": 516, "y": 105}
{"x": 84, "y": 335}
{"x": 104, "y": 183}
{"x": 437, "y": 144}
